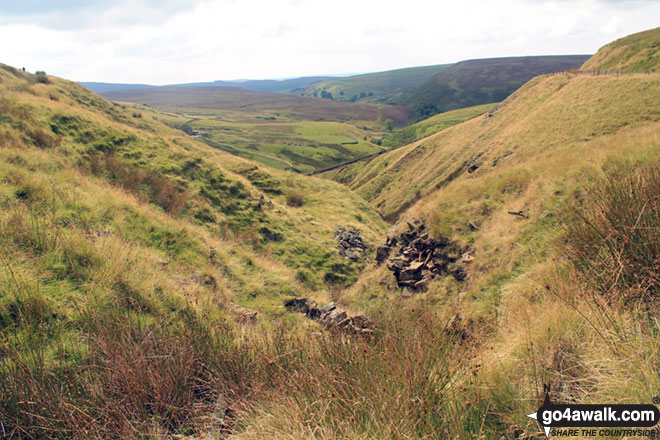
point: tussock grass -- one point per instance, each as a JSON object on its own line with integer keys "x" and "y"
{"x": 615, "y": 241}
{"x": 295, "y": 199}
{"x": 394, "y": 384}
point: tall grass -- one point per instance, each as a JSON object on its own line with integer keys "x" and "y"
{"x": 136, "y": 379}
{"x": 394, "y": 384}
{"x": 614, "y": 237}
{"x": 158, "y": 189}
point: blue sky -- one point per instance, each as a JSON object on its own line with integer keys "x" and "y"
{"x": 174, "y": 41}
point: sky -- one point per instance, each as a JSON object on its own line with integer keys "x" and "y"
{"x": 179, "y": 41}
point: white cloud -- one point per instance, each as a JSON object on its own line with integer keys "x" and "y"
{"x": 170, "y": 41}
{"x": 612, "y": 26}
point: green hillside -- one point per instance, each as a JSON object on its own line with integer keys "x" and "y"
{"x": 476, "y": 82}
{"x": 117, "y": 229}
{"x": 432, "y": 125}
{"x": 381, "y": 87}
{"x": 635, "y": 53}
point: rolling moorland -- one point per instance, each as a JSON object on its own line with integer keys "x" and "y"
{"x": 284, "y": 131}
{"x": 475, "y": 82}
{"x": 266, "y": 85}
{"x": 135, "y": 257}
{"x": 435, "y": 89}
{"x": 307, "y": 135}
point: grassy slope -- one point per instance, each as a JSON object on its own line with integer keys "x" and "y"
{"x": 50, "y": 137}
{"x": 432, "y": 125}
{"x": 537, "y": 320}
{"x": 384, "y": 87}
{"x": 635, "y": 53}
{"x": 475, "y": 82}
{"x": 548, "y": 112}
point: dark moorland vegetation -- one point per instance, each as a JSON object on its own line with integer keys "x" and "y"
{"x": 476, "y": 82}
{"x": 381, "y": 87}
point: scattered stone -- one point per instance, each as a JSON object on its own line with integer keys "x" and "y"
{"x": 330, "y": 316}
{"x": 270, "y": 235}
{"x": 472, "y": 164}
{"x": 473, "y": 226}
{"x": 520, "y": 213}
{"x": 416, "y": 258}
{"x": 459, "y": 274}
{"x": 96, "y": 234}
{"x": 382, "y": 253}
{"x": 474, "y": 167}
{"x": 350, "y": 244}
{"x": 500, "y": 158}
{"x": 265, "y": 204}
{"x": 468, "y": 257}
{"x": 243, "y": 314}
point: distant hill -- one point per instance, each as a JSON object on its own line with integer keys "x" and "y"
{"x": 635, "y": 53}
{"x": 232, "y": 98}
{"x": 382, "y": 87}
{"x": 475, "y": 82}
{"x": 102, "y": 87}
{"x": 258, "y": 85}
{"x": 274, "y": 85}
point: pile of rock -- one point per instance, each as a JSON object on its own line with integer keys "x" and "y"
{"x": 349, "y": 243}
{"x": 330, "y": 316}
{"x": 417, "y": 258}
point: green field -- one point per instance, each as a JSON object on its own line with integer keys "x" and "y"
{"x": 432, "y": 125}
{"x": 280, "y": 142}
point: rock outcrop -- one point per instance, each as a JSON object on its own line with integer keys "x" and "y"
{"x": 350, "y": 244}
{"x": 330, "y": 316}
{"x": 416, "y": 258}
